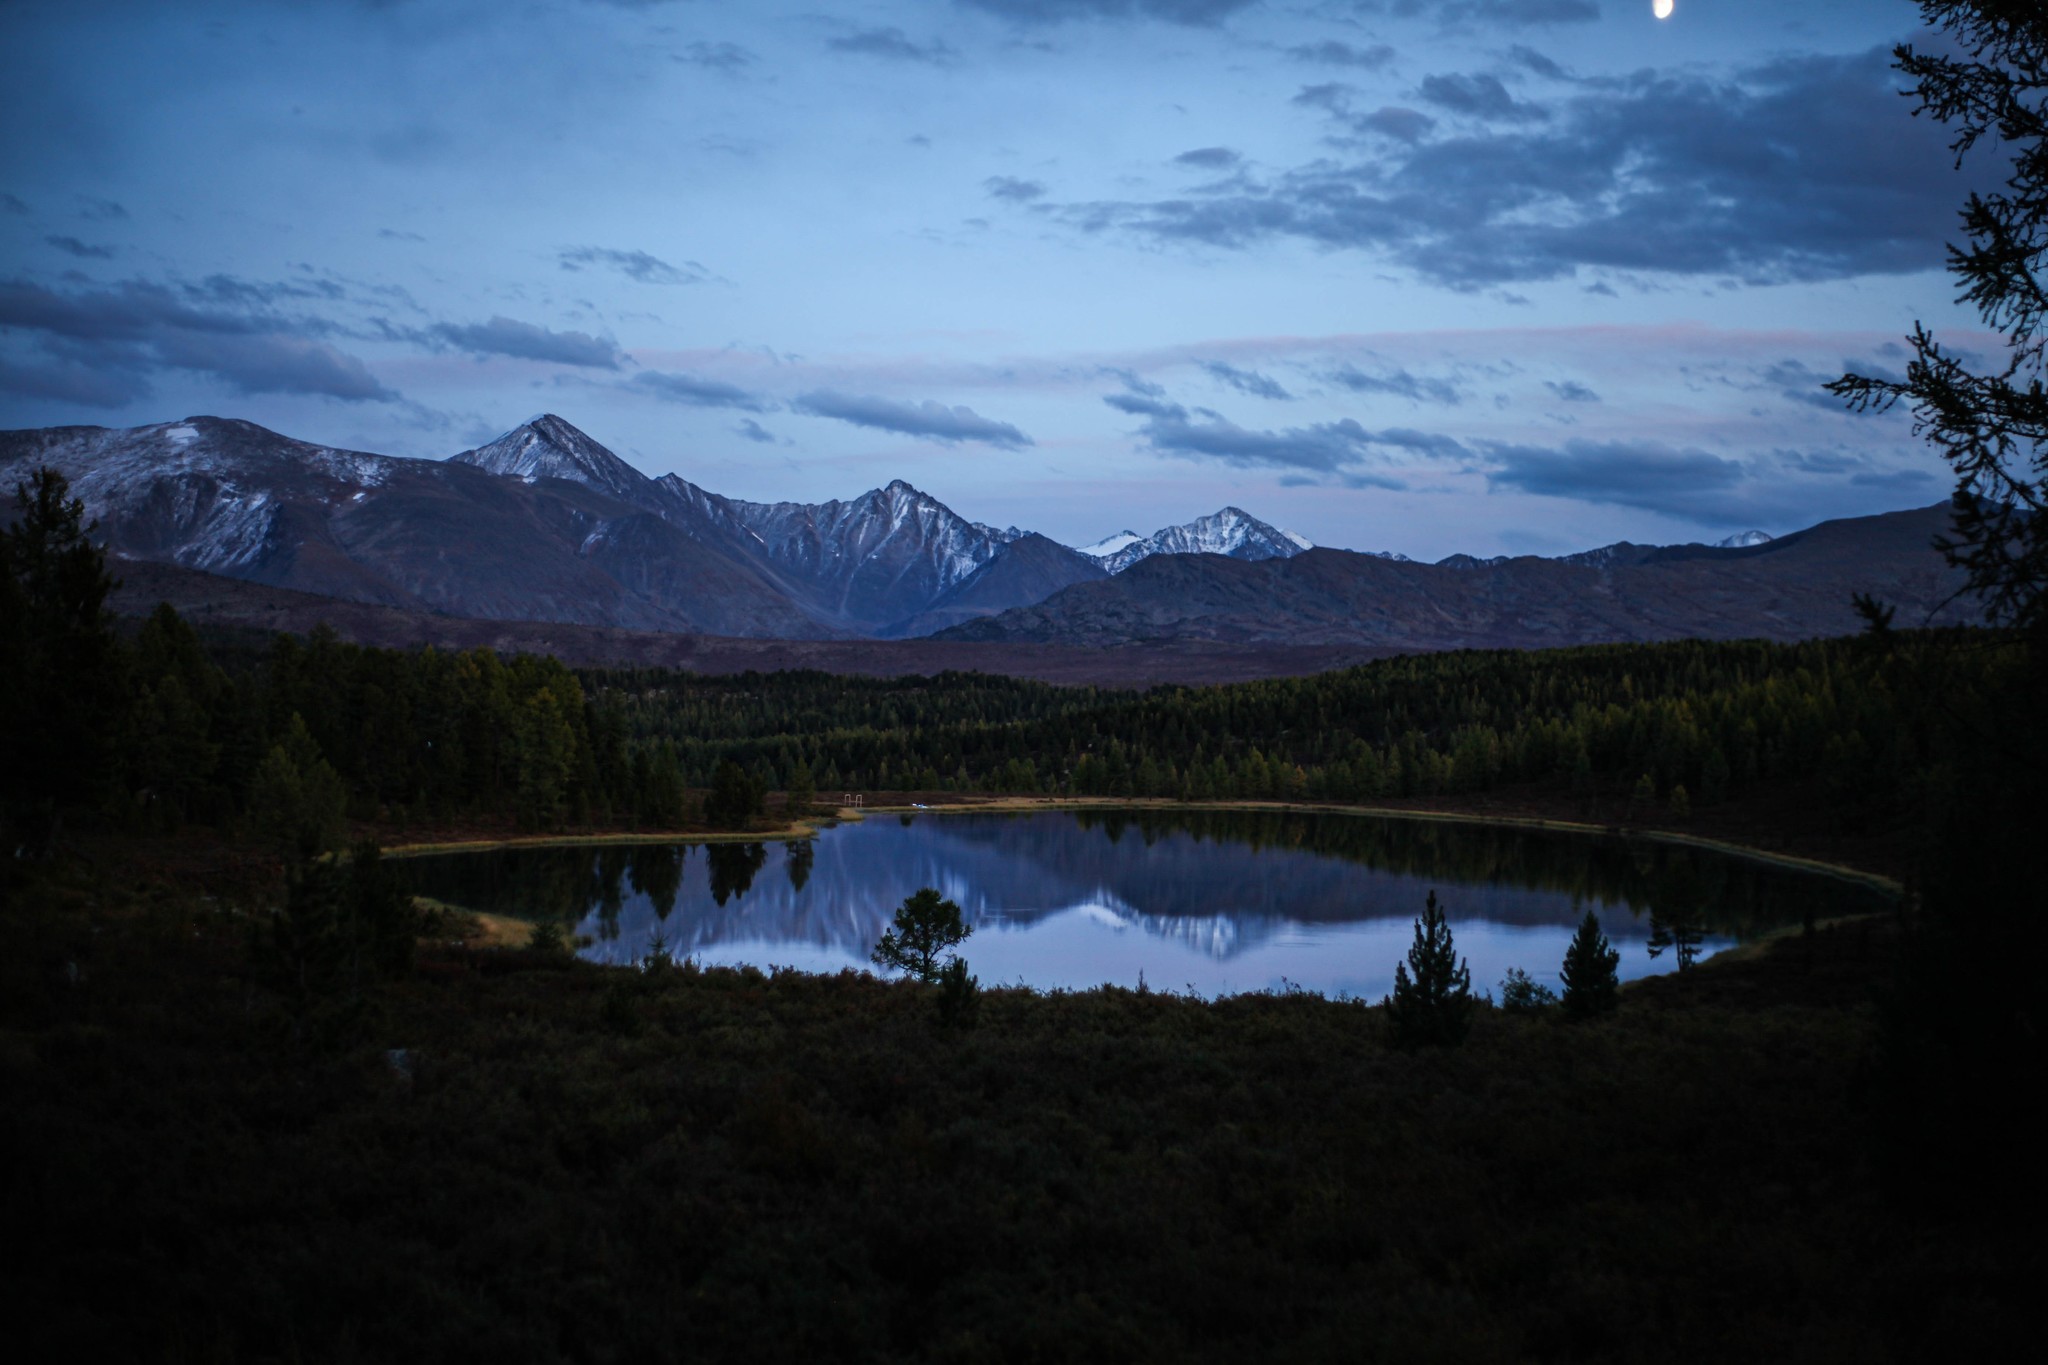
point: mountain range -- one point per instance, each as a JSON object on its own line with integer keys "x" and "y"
{"x": 545, "y": 525}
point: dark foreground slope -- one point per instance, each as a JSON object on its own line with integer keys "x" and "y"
{"x": 567, "y": 1163}
{"x": 1798, "y": 587}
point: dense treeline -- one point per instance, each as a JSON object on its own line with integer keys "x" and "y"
{"x": 1680, "y": 723}
{"x": 294, "y": 737}
{"x": 428, "y": 733}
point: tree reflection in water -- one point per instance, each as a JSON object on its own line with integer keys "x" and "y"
{"x": 1225, "y": 886}
{"x": 733, "y": 867}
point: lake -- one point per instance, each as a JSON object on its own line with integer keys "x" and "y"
{"x": 1214, "y": 902}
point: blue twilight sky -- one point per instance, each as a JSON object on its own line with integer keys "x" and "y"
{"x": 1420, "y": 275}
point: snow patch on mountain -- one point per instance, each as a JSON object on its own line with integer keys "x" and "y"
{"x": 549, "y": 448}
{"x": 1109, "y": 545}
{"x": 883, "y": 539}
{"x": 1743, "y": 540}
{"x": 1232, "y": 531}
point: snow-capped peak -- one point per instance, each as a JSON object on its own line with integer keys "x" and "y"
{"x": 1742, "y": 540}
{"x": 1232, "y": 531}
{"x": 1109, "y": 545}
{"x": 546, "y": 447}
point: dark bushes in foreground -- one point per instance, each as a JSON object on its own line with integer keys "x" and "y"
{"x": 575, "y": 1164}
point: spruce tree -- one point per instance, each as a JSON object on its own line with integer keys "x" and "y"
{"x": 1591, "y": 987}
{"x": 1433, "y": 1005}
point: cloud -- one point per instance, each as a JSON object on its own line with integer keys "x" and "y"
{"x": 525, "y": 341}
{"x": 893, "y": 45}
{"x": 1392, "y": 121}
{"x": 1247, "y": 381}
{"x": 1526, "y": 11}
{"x": 100, "y": 210}
{"x": 927, "y": 421}
{"x": 1336, "y": 449}
{"x": 1571, "y": 391}
{"x": 698, "y": 393}
{"x": 68, "y": 381}
{"x": 1478, "y": 96}
{"x": 130, "y": 330}
{"x": 727, "y": 57}
{"x": 10, "y": 204}
{"x": 1015, "y": 190}
{"x": 1194, "y": 13}
{"x": 1508, "y": 12}
{"x": 394, "y": 235}
{"x": 1400, "y": 383}
{"x": 1648, "y": 475}
{"x": 273, "y": 363}
{"x": 1332, "y": 53}
{"x": 1398, "y": 122}
{"x": 635, "y": 265}
{"x": 1209, "y": 158}
{"x": 1910, "y": 481}
{"x": 1808, "y": 168}
{"x": 71, "y": 246}
{"x": 754, "y": 431}
{"x": 1530, "y": 59}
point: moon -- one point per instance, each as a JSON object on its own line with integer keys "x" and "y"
{"x": 1662, "y": 8}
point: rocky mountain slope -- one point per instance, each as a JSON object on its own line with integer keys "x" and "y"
{"x": 875, "y": 560}
{"x": 1232, "y": 531}
{"x": 542, "y": 524}
{"x": 1791, "y": 588}
{"x": 237, "y": 606}
{"x": 545, "y": 525}
{"x": 1028, "y": 569}
{"x": 447, "y": 536}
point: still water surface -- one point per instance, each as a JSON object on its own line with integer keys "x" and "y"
{"x": 1211, "y": 901}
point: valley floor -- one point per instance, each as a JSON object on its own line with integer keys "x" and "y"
{"x": 508, "y": 1155}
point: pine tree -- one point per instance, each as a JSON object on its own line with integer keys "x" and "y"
{"x": 1989, "y": 80}
{"x": 925, "y": 927}
{"x": 297, "y": 801}
{"x": 61, "y": 690}
{"x": 1433, "y": 1005}
{"x": 1591, "y": 987}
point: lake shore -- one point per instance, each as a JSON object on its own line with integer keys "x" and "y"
{"x": 956, "y": 804}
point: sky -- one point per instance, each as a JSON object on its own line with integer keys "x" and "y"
{"x": 1490, "y": 276}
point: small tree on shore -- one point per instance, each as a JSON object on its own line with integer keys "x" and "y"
{"x": 926, "y": 926}
{"x": 1591, "y": 987}
{"x": 1681, "y": 934}
{"x": 1433, "y": 1005}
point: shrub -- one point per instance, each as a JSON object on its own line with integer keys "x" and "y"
{"x": 958, "y": 1002}
{"x": 1521, "y": 993}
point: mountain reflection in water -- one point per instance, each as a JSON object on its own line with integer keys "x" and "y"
{"x": 1214, "y": 901}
